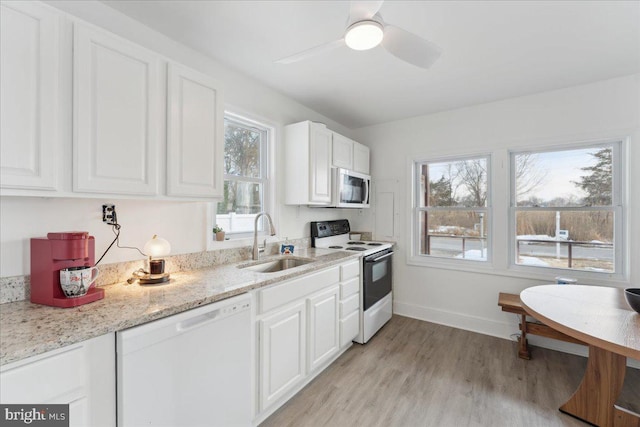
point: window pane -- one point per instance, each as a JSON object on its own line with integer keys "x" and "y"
{"x": 455, "y": 183}
{"x": 241, "y": 150}
{"x": 241, "y": 197}
{"x": 580, "y": 240}
{"x": 581, "y": 177}
{"x": 243, "y": 201}
{"x": 454, "y": 234}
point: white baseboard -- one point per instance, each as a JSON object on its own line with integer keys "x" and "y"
{"x": 493, "y": 328}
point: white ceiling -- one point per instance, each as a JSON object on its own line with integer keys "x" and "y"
{"x": 491, "y": 49}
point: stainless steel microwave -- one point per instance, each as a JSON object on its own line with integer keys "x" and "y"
{"x": 350, "y": 189}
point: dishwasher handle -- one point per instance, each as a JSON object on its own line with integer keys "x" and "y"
{"x": 210, "y": 316}
{"x": 197, "y": 321}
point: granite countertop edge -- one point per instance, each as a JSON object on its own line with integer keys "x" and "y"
{"x": 28, "y": 329}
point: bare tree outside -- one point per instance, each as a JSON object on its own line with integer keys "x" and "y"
{"x": 529, "y": 174}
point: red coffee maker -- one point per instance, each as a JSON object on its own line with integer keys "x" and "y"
{"x": 51, "y": 254}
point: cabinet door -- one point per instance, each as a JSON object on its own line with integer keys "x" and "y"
{"x": 282, "y": 353}
{"x": 323, "y": 327}
{"x": 361, "y": 158}
{"x": 194, "y": 134}
{"x": 81, "y": 375}
{"x": 349, "y": 328}
{"x": 320, "y": 163}
{"x": 342, "y": 156}
{"x": 29, "y": 61}
{"x": 115, "y": 110}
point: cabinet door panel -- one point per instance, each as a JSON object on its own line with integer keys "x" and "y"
{"x": 81, "y": 375}
{"x": 349, "y": 328}
{"x": 282, "y": 351}
{"x": 29, "y": 61}
{"x": 115, "y": 114}
{"x": 195, "y": 134}
{"x": 361, "y": 158}
{"x": 320, "y": 158}
{"x": 323, "y": 327}
{"x": 342, "y": 156}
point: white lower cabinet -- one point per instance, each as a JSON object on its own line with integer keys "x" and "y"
{"x": 323, "y": 327}
{"x": 350, "y": 302}
{"x": 81, "y": 375}
{"x": 282, "y": 352}
{"x": 301, "y": 329}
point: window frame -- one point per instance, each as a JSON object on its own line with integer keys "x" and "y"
{"x": 618, "y": 208}
{"x": 415, "y": 257}
{"x": 267, "y": 157}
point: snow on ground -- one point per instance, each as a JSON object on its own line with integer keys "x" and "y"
{"x": 529, "y": 260}
{"x": 535, "y": 237}
{"x": 475, "y": 254}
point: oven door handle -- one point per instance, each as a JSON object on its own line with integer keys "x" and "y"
{"x": 380, "y": 258}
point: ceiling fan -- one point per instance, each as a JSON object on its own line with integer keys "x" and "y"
{"x": 366, "y": 30}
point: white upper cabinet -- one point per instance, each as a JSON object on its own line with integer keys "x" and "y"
{"x": 342, "y": 156}
{"x": 349, "y": 154}
{"x": 29, "y": 73}
{"x": 195, "y": 132}
{"x": 116, "y": 114}
{"x": 307, "y": 164}
{"x": 361, "y": 158}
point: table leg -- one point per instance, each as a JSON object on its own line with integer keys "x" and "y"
{"x": 594, "y": 400}
{"x": 523, "y": 345}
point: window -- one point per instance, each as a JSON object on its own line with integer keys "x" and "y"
{"x": 246, "y": 183}
{"x": 566, "y": 209}
{"x": 452, "y": 208}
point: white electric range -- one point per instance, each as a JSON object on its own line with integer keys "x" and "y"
{"x": 376, "y": 267}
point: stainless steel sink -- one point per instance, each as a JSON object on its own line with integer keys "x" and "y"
{"x": 274, "y": 266}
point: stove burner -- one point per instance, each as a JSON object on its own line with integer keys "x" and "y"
{"x": 355, "y": 243}
{"x": 335, "y": 247}
{"x": 356, "y": 248}
{"x": 374, "y": 244}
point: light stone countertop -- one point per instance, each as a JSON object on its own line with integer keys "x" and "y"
{"x": 28, "y": 329}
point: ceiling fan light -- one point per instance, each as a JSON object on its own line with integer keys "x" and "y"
{"x": 364, "y": 35}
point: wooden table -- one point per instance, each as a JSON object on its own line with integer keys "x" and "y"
{"x": 600, "y": 317}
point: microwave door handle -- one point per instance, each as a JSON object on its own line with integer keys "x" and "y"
{"x": 366, "y": 191}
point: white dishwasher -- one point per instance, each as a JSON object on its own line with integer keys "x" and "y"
{"x": 189, "y": 369}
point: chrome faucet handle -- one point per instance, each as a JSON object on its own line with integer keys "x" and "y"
{"x": 257, "y": 250}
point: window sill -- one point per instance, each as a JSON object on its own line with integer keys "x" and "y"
{"x": 521, "y": 272}
{"x": 238, "y": 242}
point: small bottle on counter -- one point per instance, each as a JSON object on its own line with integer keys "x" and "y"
{"x": 286, "y": 248}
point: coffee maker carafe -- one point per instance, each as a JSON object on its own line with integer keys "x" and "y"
{"x": 56, "y": 252}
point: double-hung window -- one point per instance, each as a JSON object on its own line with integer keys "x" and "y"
{"x": 246, "y": 175}
{"x": 566, "y": 208}
{"x": 452, "y": 209}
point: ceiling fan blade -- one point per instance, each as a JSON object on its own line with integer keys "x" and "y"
{"x": 409, "y": 47}
{"x": 361, "y": 10}
{"x": 308, "y": 53}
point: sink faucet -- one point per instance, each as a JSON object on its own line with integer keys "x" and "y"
{"x": 256, "y": 249}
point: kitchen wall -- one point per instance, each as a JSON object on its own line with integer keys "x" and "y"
{"x": 184, "y": 224}
{"x": 468, "y": 299}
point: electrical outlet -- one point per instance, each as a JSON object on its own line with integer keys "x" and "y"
{"x": 109, "y": 214}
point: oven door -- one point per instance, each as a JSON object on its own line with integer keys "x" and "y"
{"x": 376, "y": 281}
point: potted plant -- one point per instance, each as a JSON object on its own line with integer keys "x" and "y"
{"x": 219, "y": 232}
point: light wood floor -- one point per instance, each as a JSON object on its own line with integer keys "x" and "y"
{"x": 415, "y": 373}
